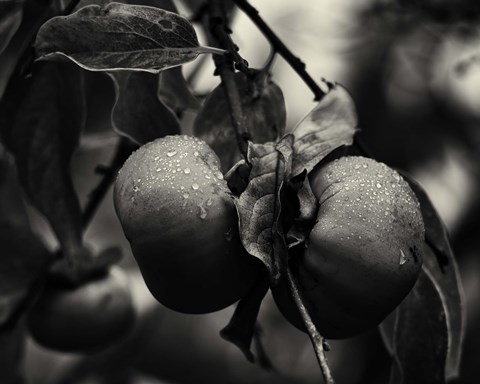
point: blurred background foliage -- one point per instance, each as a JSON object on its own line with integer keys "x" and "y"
{"x": 413, "y": 68}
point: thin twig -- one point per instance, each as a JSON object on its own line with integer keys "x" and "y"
{"x": 124, "y": 149}
{"x": 315, "y": 337}
{"x": 297, "y": 65}
{"x": 224, "y": 67}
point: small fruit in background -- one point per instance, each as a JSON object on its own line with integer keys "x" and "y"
{"x": 86, "y": 318}
{"x": 179, "y": 216}
{"x": 364, "y": 252}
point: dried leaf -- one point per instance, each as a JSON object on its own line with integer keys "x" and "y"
{"x": 120, "y": 37}
{"x": 138, "y": 113}
{"x": 331, "y": 124}
{"x": 264, "y": 106}
{"x": 259, "y": 205}
{"x": 11, "y": 12}
{"x": 42, "y": 130}
{"x": 173, "y": 90}
{"x": 440, "y": 262}
{"x": 421, "y": 337}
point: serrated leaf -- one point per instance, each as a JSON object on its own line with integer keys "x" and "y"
{"x": 138, "y": 114}
{"x": 11, "y": 12}
{"x": 173, "y": 90}
{"x": 120, "y": 37}
{"x": 440, "y": 262}
{"x": 421, "y": 338}
{"x": 265, "y": 116}
{"x": 331, "y": 124}
{"x": 258, "y": 206}
{"x": 43, "y": 131}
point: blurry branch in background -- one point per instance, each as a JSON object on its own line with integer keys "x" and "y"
{"x": 297, "y": 65}
{"x": 220, "y": 33}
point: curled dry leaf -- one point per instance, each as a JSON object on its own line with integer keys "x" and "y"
{"x": 331, "y": 124}
{"x": 120, "y": 37}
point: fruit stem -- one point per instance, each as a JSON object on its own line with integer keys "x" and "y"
{"x": 297, "y": 65}
{"x": 315, "y": 337}
{"x": 225, "y": 67}
{"x": 124, "y": 149}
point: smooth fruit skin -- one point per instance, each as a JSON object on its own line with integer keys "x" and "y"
{"x": 179, "y": 216}
{"x": 84, "y": 319}
{"x": 365, "y": 249}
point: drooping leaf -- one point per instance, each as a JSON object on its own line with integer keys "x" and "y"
{"x": 440, "y": 262}
{"x": 11, "y": 12}
{"x": 331, "y": 124}
{"x": 173, "y": 90}
{"x": 241, "y": 328}
{"x": 42, "y": 130}
{"x": 259, "y": 205}
{"x": 23, "y": 258}
{"x": 120, "y": 37}
{"x": 138, "y": 113}
{"x": 264, "y": 110}
{"x": 420, "y": 340}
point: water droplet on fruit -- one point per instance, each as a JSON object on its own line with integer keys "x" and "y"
{"x": 403, "y": 258}
{"x": 208, "y": 202}
{"x": 203, "y": 212}
{"x": 195, "y": 153}
{"x": 379, "y": 185}
{"x": 186, "y": 171}
{"x": 195, "y": 186}
{"x": 356, "y": 166}
{"x": 365, "y": 166}
{"x": 171, "y": 153}
{"x": 219, "y": 175}
{"x": 186, "y": 195}
{"x": 135, "y": 189}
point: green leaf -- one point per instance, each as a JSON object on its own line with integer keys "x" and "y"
{"x": 138, "y": 113}
{"x": 265, "y": 115}
{"x": 120, "y": 37}
{"x": 23, "y": 258}
{"x": 331, "y": 124}
{"x": 41, "y": 126}
{"x": 420, "y": 340}
{"x": 173, "y": 90}
{"x": 441, "y": 264}
{"x": 11, "y": 13}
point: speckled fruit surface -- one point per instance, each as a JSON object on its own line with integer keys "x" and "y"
{"x": 178, "y": 214}
{"x": 365, "y": 250}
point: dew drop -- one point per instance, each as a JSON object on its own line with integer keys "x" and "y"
{"x": 171, "y": 153}
{"x": 195, "y": 186}
{"x": 203, "y": 212}
{"x": 208, "y": 202}
{"x": 403, "y": 258}
{"x": 356, "y": 166}
{"x": 379, "y": 185}
{"x": 365, "y": 166}
{"x": 219, "y": 175}
{"x": 186, "y": 171}
{"x": 186, "y": 195}
{"x": 195, "y": 153}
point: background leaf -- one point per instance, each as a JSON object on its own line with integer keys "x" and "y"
{"x": 173, "y": 90}
{"x": 331, "y": 124}
{"x": 120, "y": 37}
{"x": 23, "y": 258}
{"x": 11, "y": 12}
{"x": 440, "y": 262}
{"x": 138, "y": 113}
{"x": 421, "y": 337}
{"x": 42, "y": 130}
{"x": 264, "y": 106}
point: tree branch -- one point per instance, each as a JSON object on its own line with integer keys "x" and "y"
{"x": 225, "y": 68}
{"x": 297, "y": 65}
{"x": 124, "y": 149}
{"x": 315, "y": 337}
